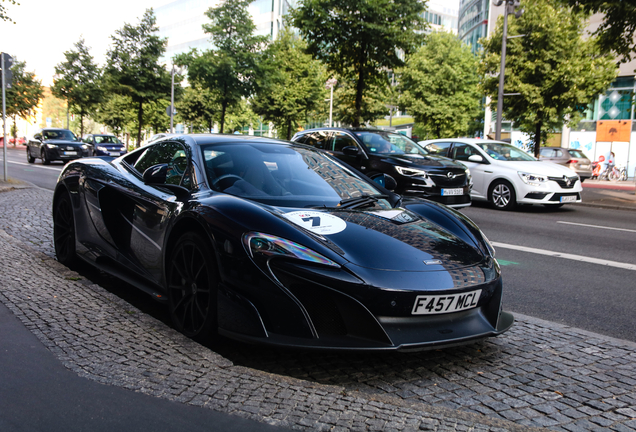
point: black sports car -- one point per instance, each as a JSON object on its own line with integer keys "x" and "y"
{"x": 275, "y": 242}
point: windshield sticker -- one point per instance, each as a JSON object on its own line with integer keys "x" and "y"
{"x": 317, "y": 222}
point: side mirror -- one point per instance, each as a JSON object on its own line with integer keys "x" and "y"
{"x": 475, "y": 158}
{"x": 386, "y": 181}
{"x": 350, "y": 150}
{"x": 156, "y": 174}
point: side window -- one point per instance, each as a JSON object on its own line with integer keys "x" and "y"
{"x": 170, "y": 153}
{"x": 318, "y": 139}
{"x": 462, "y": 152}
{"x": 301, "y": 139}
{"x": 438, "y": 148}
{"x": 342, "y": 140}
{"x": 558, "y": 153}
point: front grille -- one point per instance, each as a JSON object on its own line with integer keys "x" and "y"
{"x": 563, "y": 181}
{"x": 442, "y": 179}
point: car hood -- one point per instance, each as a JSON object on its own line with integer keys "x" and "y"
{"x": 538, "y": 167}
{"x": 64, "y": 142}
{"x": 415, "y": 160}
{"x": 394, "y": 240}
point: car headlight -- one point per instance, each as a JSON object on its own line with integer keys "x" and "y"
{"x": 411, "y": 172}
{"x": 84, "y": 146}
{"x": 532, "y": 179}
{"x": 51, "y": 146}
{"x": 101, "y": 148}
{"x": 265, "y": 246}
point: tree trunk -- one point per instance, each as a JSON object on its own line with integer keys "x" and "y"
{"x": 223, "y": 108}
{"x": 140, "y": 116}
{"x": 81, "y": 125}
{"x": 537, "y": 139}
{"x": 359, "y": 92}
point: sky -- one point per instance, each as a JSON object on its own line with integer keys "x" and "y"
{"x": 45, "y": 29}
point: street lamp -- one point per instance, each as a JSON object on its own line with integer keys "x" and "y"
{"x": 173, "y": 72}
{"x": 330, "y": 84}
{"x": 510, "y": 7}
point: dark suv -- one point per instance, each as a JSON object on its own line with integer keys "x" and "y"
{"x": 374, "y": 151}
{"x": 55, "y": 144}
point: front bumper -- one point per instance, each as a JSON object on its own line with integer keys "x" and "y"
{"x": 65, "y": 153}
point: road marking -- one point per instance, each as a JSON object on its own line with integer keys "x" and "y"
{"x": 566, "y": 256}
{"x": 597, "y": 226}
{"x": 506, "y": 263}
{"x": 31, "y": 165}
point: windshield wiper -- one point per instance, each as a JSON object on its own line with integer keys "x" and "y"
{"x": 361, "y": 201}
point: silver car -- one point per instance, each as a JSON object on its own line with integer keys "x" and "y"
{"x": 571, "y": 158}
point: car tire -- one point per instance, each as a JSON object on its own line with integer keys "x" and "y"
{"x": 64, "y": 230}
{"x": 30, "y": 158}
{"x": 502, "y": 195}
{"x": 45, "y": 159}
{"x": 192, "y": 281}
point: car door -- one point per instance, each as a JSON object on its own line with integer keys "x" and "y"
{"x": 341, "y": 140}
{"x": 34, "y": 145}
{"x": 480, "y": 172}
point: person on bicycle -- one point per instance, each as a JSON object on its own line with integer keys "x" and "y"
{"x": 607, "y": 163}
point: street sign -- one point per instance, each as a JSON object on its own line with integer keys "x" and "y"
{"x": 169, "y": 108}
{"x": 7, "y": 62}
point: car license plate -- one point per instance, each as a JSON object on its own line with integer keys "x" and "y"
{"x": 114, "y": 153}
{"x": 69, "y": 153}
{"x": 439, "y": 304}
{"x": 585, "y": 166}
{"x": 568, "y": 198}
{"x": 456, "y": 191}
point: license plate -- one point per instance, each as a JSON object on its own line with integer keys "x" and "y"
{"x": 114, "y": 153}
{"x": 569, "y": 198}
{"x": 439, "y": 304}
{"x": 69, "y": 153}
{"x": 457, "y": 191}
{"x": 585, "y": 166}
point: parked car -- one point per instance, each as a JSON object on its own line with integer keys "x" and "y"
{"x": 506, "y": 175}
{"x": 571, "y": 158}
{"x": 373, "y": 151}
{"x": 274, "y": 242}
{"x": 51, "y": 144}
{"x": 104, "y": 145}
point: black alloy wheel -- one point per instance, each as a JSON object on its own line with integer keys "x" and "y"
{"x": 192, "y": 288}
{"x": 45, "y": 159}
{"x": 30, "y": 158}
{"x": 64, "y": 230}
{"x": 502, "y": 195}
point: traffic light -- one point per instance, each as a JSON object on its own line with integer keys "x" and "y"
{"x": 513, "y": 8}
{"x": 7, "y": 75}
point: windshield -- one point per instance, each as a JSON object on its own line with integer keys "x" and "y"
{"x": 504, "y": 152}
{"x": 283, "y": 175}
{"x": 59, "y": 135}
{"x": 106, "y": 139}
{"x": 577, "y": 154}
{"x": 390, "y": 143}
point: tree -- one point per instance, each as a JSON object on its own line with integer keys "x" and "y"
{"x": 117, "y": 113}
{"x": 133, "y": 68}
{"x": 155, "y": 115}
{"x": 229, "y": 70}
{"x": 292, "y": 86}
{"x": 617, "y": 32}
{"x": 360, "y": 39}
{"x": 372, "y": 106}
{"x": 78, "y": 81}
{"x": 198, "y": 107}
{"x": 3, "y": 11}
{"x": 24, "y": 95}
{"x": 54, "y": 109}
{"x": 241, "y": 116}
{"x": 555, "y": 70}
{"x": 440, "y": 86}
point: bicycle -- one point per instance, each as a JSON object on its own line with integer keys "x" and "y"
{"x": 614, "y": 173}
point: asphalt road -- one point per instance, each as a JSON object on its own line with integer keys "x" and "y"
{"x": 580, "y": 292}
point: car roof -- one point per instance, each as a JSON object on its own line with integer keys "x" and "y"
{"x": 464, "y": 140}
{"x": 350, "y": 129}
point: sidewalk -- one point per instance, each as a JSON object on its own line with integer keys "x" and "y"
{"x": 605, "y": 194}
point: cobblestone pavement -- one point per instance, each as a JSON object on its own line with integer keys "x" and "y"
{"x": 537, "y": 375}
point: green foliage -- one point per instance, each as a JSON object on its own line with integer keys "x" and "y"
{"x": 440, "y": 87}
{"x": 198, "y": 108}
{"x": 241, "y": 117}
{"x": 372, "y": 106}
{"x": 360, "y": 39}
{"x": 117, "y": 113}
{"x": 3, "y": 11}
{"x": 291, "y": 86}
{"x": 77, "y": 80}
{"x": 53, "y": 108}
{"x": 155, "y": 115}
{"x": 554, "y": 68}
{"x": 133, "y": 68}
{"x": 24, "y": 95}
{"x": 617, "y": 32}
{"x": 229, "y": 71}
